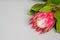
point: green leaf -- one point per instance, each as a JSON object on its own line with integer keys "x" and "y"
{"x": 58, "y": 26}
{"x": 44, "y": 0}
{"x": 37, "y": 7}
{"x": 46, "y": 9}
{"x": 57, "y": 15}
{"x": 54, "y": 1}
{"x": 31, "y": 12}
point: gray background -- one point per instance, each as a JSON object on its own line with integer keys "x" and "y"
{"x": 14, "y": 22}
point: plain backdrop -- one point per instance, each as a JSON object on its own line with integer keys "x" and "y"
{"x": 14, "y": 22}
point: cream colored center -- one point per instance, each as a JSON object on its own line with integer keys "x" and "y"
{"x": 41, "y": 23}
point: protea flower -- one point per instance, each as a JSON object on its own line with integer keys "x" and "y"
{"x": 43, "y": 21}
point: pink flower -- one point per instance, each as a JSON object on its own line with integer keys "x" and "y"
{"x": 43, "y": 21}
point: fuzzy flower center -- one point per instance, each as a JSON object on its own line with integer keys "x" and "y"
{"x": 41, "y": 23}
